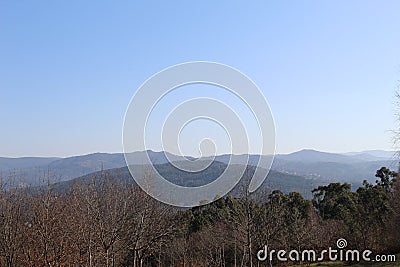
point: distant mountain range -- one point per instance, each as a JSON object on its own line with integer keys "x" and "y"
{"x": 313, "y": 156}
{"x": 275, "y": 180}
{"x": 314, "y": 167}
{"x": 25, "y": 162}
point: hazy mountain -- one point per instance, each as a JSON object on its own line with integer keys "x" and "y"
{"x": 373, "y": 155}
{"x": 275, "y": 180}
{"x": 309, "y": 155}
{"x": 32, "y": 170}
{"x": 320, "y": 166}
{"x": 7, "y": 164}
{"x": 367, "y": 157}
{"x": 334, "y": 171}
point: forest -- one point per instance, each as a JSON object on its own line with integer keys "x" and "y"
{"x": 109, "y": 222}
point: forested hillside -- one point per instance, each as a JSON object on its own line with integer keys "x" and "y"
{"x": 103, "y": 221}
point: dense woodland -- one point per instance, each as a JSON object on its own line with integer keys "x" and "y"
{"x": 108, "y": 222}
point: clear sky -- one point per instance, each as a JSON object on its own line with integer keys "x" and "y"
{"x": 68, "y": 69}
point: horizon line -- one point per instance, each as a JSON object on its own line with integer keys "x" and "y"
{"x": 159, "y": 151}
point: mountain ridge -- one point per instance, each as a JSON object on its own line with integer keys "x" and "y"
{"x": 352, "y": 167}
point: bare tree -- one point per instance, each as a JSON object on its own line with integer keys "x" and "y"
{"x": 11, "y": 221}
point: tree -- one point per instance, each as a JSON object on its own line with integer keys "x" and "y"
{"x": 12, "y": 223}
{"x": 334, "y": 201}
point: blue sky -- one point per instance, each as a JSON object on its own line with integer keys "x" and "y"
{"x": 68, "y": 69}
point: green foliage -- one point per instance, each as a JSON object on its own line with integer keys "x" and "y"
{"x": 363, "y": 213}
{"x": 387, "y": 178}
{"x": 334, "y": 201}
{"x": 217, "y": 211}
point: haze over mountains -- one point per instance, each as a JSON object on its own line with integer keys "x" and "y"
{"x": 309, "y": 155}
{"x": 275, "y": 180}
{"x": 308, "y": 165}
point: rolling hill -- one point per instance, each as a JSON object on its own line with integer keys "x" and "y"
{"x": 274, "y": 181}
{"x": 321, "y": 167}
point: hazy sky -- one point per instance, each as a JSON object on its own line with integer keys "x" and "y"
{"x": 68, "y": 69}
